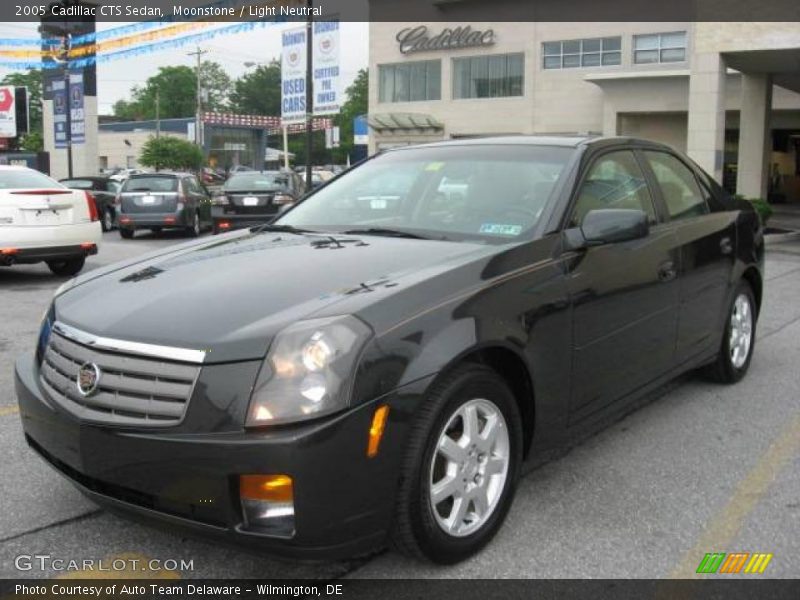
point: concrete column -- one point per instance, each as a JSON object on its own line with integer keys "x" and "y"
{"x": 610, "y": 119}
{"x": 706, "y": 129}
{"x": 754, "y": 136}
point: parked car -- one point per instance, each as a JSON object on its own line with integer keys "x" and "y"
{"x": 350, "y": 376}
{"x": 157, "y": 201}
{"x": 104, "y": 191}
{"x": 123, "y": 174}
{"x": 254, "y": 198}
{"x": 42, "y": 220}
{"x": 211, "y": 177}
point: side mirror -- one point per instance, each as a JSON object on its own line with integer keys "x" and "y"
{"x": 609, "y": 226}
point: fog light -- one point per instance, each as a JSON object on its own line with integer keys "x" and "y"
{"x": 268, "y": 504}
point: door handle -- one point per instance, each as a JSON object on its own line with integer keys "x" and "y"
{"x": 667, "y": 271}
{"x": 725, "y": 245}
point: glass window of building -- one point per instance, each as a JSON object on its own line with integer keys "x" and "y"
{"x": 659, "y": 48}
{"x": 494, "y": 76}
{"x": 593, "y": 52}
{"x": 410, "y": 82}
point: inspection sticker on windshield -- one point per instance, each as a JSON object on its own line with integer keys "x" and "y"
{"x": 434, "y": 166}
{"x": 500, "y": 229}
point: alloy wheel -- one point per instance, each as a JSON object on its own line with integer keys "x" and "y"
{"x": 741, "y": 331}
{"x": 469, "y": 467}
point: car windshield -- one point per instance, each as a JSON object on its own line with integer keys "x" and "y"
{"x": 151, "y": 184}
{"x": 78, "y": 184}
{"x": 12, "y": 179}
{"x": 252, "y": 182}
{"x": 494, "y": 193}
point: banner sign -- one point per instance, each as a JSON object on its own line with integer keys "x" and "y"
{"x": 76, "y": 105}
{"x": 60, "y": 113}
{"x": 327, "y": 95}
{"x": 8, "y": 112}
{"x": 360, "y": 131}
{"x": 293, "y": 75}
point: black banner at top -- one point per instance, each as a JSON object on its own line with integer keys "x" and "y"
{"x": 401, "y": 10}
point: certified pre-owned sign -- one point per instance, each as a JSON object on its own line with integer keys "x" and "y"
{"x": 417, "y": 39}
{"x": 8, "y": 113}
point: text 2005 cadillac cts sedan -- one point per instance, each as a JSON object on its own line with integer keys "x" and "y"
{"x": 379, "y": 364}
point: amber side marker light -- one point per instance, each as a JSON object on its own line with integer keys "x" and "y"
{"x": 376, "y": 430}
{"x": 272, "y": 488}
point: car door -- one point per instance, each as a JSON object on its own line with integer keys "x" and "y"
{"x": 706, "y": 240}
{"x": 624, "y": 295}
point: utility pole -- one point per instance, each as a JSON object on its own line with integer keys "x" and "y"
{"x": 309, "y": 91}
{"x": 198, "y": 133}
{"x": 68, "y": 107}
{"x": 158, "y": 112}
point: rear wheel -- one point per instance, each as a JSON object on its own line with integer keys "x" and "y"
{"x": 126, "y": 233}
{"x": 194, "y": 229}
{"x": 461, "y": 468}
{"x": 738, "y": 338}
{"x": 67, "y": 267}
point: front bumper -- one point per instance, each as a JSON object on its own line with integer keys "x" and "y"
{"x": 343, "y": 500}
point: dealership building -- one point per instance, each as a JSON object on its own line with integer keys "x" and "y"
{"x": 728, "y": 94}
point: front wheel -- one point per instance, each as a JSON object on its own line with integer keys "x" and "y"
{"x": 68, "y": 267}
{"x": 108, "y": 220}
{"x": 194, "y": 229}
{"x": 461, "y": 468}
{"x": 738, "y": 338}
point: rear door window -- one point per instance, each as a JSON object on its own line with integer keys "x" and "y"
{"x": 679, "y": 187}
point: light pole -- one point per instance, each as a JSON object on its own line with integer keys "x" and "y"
{"x": 198, "y": 130}
{"x": 309, "y": 90}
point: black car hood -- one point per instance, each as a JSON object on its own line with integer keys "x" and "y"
{"x": 229, "y": 295}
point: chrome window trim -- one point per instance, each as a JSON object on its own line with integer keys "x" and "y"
{"x": 124, "y": 346}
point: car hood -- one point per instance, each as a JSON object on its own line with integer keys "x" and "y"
{"x": 229, "y": 295}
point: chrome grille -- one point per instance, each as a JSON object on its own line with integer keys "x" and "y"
{"x": 132, "y": 391}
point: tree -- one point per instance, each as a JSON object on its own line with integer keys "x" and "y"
{"x": 258, "y": 92}
{"x": 177, "y": 91}
{"x": 357, "y": 103}
{"x": 169, "y": 152}
{"x": 32, "y": 142}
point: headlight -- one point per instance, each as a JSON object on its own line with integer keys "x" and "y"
{"x": 308, "y": 371}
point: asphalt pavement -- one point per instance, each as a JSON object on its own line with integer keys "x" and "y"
{"x": 700, "y": 468}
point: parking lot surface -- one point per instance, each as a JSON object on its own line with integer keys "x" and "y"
{"x": 700, "y": 468}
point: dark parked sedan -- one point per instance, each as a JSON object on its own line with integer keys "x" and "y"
{"x": 254, "y": 198}
{"x": 104, "y": 191}
{"x": 365, "y": 371}
{"x": 157, "y": 201}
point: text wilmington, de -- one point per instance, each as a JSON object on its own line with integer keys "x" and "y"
{"x": 246, "y": 11}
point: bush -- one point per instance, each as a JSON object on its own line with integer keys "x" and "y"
{"x": 169, "y": 152}
{"x": 762, "y": 207}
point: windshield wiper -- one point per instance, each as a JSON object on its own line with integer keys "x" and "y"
{"x": 281, "y": 228}
{"x": 385, "y": 231}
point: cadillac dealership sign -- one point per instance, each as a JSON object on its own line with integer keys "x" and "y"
{"x": 417, "y": 39}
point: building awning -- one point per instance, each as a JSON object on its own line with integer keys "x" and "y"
{"x": 404, "y": 122}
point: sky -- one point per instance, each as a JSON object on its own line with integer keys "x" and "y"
{"x": 116, "y": 78}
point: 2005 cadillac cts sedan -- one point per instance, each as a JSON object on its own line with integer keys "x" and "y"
{"x": 380, "y": 363}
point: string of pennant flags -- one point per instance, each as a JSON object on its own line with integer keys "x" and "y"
{"x": 126, "y": 41}
{"x": 117, "y": 49}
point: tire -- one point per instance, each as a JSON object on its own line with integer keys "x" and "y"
{"x": 126, "y": 234}
{"x": 421, "y": 529}
{"x": 68, "y": 267}
{"x": 194, "y": 229}
{"x": 107, "y": 222}
{"x": 156, "y": 230}
{"x": 738, "y": 338}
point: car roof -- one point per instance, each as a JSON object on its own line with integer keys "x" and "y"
{"x": 159, "y": 174}
{"x": 89, "y": 177}
{"x": 17, "y": 168}
{"x": 564, "y": 141}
